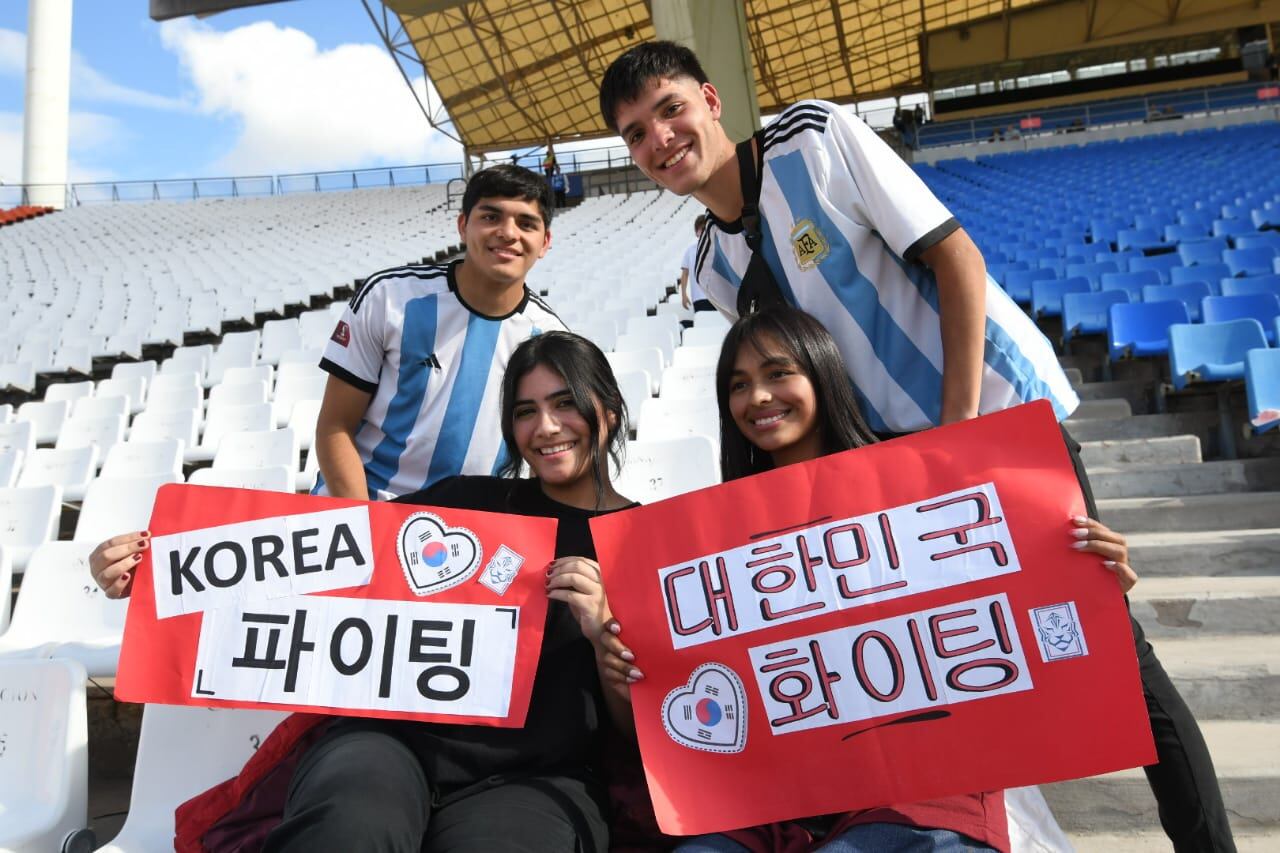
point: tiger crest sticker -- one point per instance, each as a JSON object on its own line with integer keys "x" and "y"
{"x": 809, "y": 244}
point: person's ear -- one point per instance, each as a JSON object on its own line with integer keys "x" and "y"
{"x": 712, "y": 97}
{"x": 462, "y": 226}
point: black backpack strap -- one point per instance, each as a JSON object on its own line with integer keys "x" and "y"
{"x": 759, "y": 289}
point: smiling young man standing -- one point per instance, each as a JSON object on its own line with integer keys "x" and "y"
{"x": 815, "y": 210}
{"x": 416, "y": 360}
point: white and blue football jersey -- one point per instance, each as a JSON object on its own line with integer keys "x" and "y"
{"x": 434, "y": 367}
{"x": 844, "y": 221}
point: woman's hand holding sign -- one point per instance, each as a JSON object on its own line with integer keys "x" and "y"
{"x": 113, "y": 561}
{"x": 576, "y": 582}
{"x": 1096, "y": 538}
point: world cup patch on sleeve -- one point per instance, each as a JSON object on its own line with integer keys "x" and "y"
{"x": 341, "y": 334}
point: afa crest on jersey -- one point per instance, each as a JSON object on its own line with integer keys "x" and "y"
{"x": 809, "y": 244}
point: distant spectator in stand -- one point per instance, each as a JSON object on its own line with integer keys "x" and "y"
{"x": 558, "y": 185}
{"x": 690, "y": 294}
{"x": 549, "y": 162}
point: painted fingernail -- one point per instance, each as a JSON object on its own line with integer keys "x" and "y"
{"x": 1110, "y": 564}
{"x": 1080, "y": 534}
{"x": 137, "y": 557}
{"x": 146, "y": 534}
{"x": 626, "y": 656}
{"x": 549, "y": 572}
{"x": 615, "y": 628}
{"x": 1080, "y": 519}
{"x": 1079, "y": 545}
{"x": 125, "y": 577}
{"x": 635, "y": 674}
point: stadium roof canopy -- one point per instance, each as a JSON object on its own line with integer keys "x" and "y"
{"x": 518, "y": 73}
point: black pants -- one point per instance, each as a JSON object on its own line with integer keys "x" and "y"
{"x": 365, "y": 790}
{"x": 703, "y": 305}
{"x": 1183, "y": 779}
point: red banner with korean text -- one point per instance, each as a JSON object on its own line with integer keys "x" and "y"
{"x": 263, "y": 600}
{"x": 896, "y": 623}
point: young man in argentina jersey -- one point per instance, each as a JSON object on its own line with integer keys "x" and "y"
{"x": 851, "y": 235}
{"x": 415, "y": 363}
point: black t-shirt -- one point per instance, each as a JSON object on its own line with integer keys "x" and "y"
{"x": 565, "y": 708}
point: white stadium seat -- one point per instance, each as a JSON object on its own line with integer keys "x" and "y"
{"x": 180, "y": 424}
{"x": 70, "y": 470}
{"x": 666, "y": 417}
{"x": 61, "y": 612}
{"x": 70, "y": 391}
{"x": 44, "y": 774}
{"x": 657, "y": 470}
{"x": 118, "y": 505}
{"x": 648, "y": 360}
{"x": 18, "y": 435}
{"x": 272, "y": 478}
{"x": 181, "y": 752}
{"x": 10, "y": 465}
{"x": 132, "y": 388}
{"x": 28, "y": 517}
{"x": 46, "y": 418}
{"x": 224, "y": 420}
{"x": 696, "y": 382}
{"x": 143, "y": 459}
{"x": 101, "y": 432}
{"x": 704, "y": 336}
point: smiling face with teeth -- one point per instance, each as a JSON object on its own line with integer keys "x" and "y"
{"x": 553, "y": 436}
{"x": 773, "y": 402}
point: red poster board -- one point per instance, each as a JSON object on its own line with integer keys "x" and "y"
{"x": 896, "y": 623}
{"x": 1030, "y": 123}
{"x": 262, "y": 600}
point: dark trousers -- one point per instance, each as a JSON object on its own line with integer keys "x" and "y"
{"x": 361, "y": 789}
{"x": 1183, "y": 779}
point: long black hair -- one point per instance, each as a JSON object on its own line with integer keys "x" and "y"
{"x": 808, "y": 343}
{"x": 592, "y": 386}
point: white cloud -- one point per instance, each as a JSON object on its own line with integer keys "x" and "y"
{"x": 300, "y": 108}
{"x": 13, "y": 53}
{"x": 88, "y": 132}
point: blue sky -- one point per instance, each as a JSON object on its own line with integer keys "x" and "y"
{"x": 285, "y": 87}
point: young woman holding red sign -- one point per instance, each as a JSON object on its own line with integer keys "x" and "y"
{"x": 784, "y": 397}
{"x": 347, "y": 784}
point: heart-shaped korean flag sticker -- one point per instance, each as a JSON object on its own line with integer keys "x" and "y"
{"x": 436, "y": 557}
{"x": 709, "y": 711}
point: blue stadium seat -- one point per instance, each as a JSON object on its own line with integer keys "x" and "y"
{"x": 1254, "y": 284}
{"x": 1138, "y": 238}
{"x": 1262, "y": 385}
{"x": 1017, "y": 283}
{"x": 1141, "y": 330}
{"x": 1255, "y": 261}
{"x": 1092, "y": 271}
{"x": 1203, "y": 251}
{"x": 1197, "y": 217}
{"x": 1265, "y": 217}
{"x": 1263, "y": 307}
{"x": 1104, "y": 229}
{"x": 1185, "y": 233}
{"x": 1188, "y": 294}
{"x": 1212, "y": 351}
{"x": 1046, "y": 294}
{"x": 1160, "y": 263}
{"x": 1265, "y": 239}
{"x": 1209, "y": 274}
{"x": 1087, "y": 313}
{"x": 1232, "y": 227}
{"x": 1130, "y": 282}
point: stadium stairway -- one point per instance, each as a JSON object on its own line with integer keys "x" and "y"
{"x": 1204, "y": 536}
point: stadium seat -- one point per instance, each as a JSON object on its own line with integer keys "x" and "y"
{"x": 1265, "y": 240}
{"x": 1262, "y": 387}
{"x": 600, "y": 331}
{"x": 181, "y": 752}
{"x": 132, "y": 388}
{"x": 1087, "y": 313}
{"x": 115, "y": 505}
{"x": 44, "y": 777}
{"x": 1188, "y": 294}
{"x": 6, "y": 413}
{"x": 180, "y": 424}
{"x": 1046, "y": 294}
{"x": 18, "y": 435}
{"x": 1263, "y": 218}
{"x": 224, "y": 420}
{"x": 1232, "y": 227}
{"x": 1092, "y": 271}
{"x": 315, "y": 327}
{"x": 306, "y": 481}
{"x": 1185, "y": 233}
{"x": 10, "y": 465}
{"x": 1130, "y": 282}
{"x": 1162, "y": 264}
{"x": 1202, "y": 251}
{"x": 69, "y": 470}
{"x": 28, "y": 517}
{"x": 174, "y": 380}
{"x": 694, "y": 382}
{"x": 1138, "y": 238}
{"x": 302, "y": 420}
{"x": 294, "y": 384}
{"x": 240, "y": 394}
{"x": 647, "y": 338}
{"x": 46, "y": 418}
{"x": 144, "y": 369}
{"x": 249, "y": 375}
{"x": 258, "y": 449}
{"x": 273, "y": 478}
{"x": 693, "y": 356}
{"x": 1263, "y": 307}
{"x": 164, "y": 399}
{"x": 61, "y": 612}
{"x": 648, "y": 360}
{"x": 188, "y": 360}
{"x": 704, "y": 336}
{"x": 18, "y": 376}
{"x": 1209, "y": 274}
{"x": 1140, "y": 330}
{"x": 238, "y": 349}
{"x": 1211, "y": 352}
{"x": 6, "y": 588}
{"x": 1244, "y": 262}
{"x": 69, "y": 391}
{"x": 656, "y": 470}
{"x": 278, "y": 337}
{"x": 1269, "y": 283}
{"x": 663, "y": 418}
{"x": 635, "y": 386}
{"x": 143, "y": 459}
{"x": 101, "y": 432}
{"x": 1018, "y": 284}
{"x": 710, "y": 319}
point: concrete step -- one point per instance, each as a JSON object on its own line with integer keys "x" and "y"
{"x": 1246, "y": 757}
{"x": 1156, "y": 841}
{"x": 1074, "y": 376}
{"x": 1190, "y": 607}
{"x": 1206, "y": 478}
{"x": 1170, "y": 450}
{"x": 1139, "y": 392}
{"x": 1112, "y": 407}
{"x": 1206, "y": 553}
{"x": 1232, "y": 511}
{"x": 1226, "y": 678}
{"x": 1199, "y": 424}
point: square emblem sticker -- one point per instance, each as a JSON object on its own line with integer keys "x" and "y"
{"x": 501, "y": 569}
{"x": 1058, "y": 632}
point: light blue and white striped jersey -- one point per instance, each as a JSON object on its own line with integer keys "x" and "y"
{"x": 844, "y": 221}
{"x": 434, "y": 367}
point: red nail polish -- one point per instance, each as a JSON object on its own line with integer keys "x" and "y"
{"x": 137, "y": 557}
